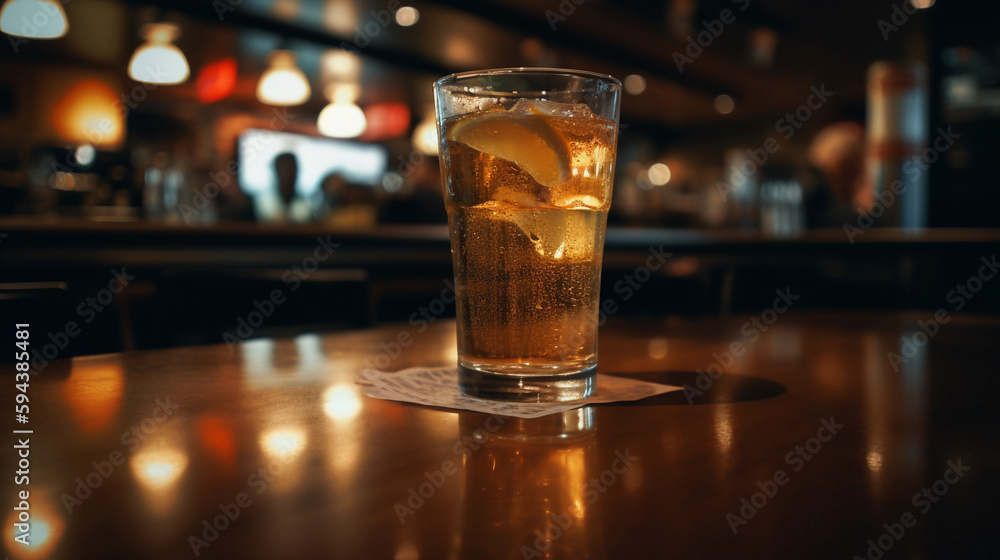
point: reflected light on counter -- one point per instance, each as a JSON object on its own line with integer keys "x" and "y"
{"x": 283, "y": 83}
{"x": 874, "y": 460}
{"x": 785, "y": 342}
{"x": 659, "y": 174}
{"x": 342, "y": 119}
{"x": 407, "y": 16}
{"x": 311, "y": 360}
{"x": 34, "y": 19}
{"x": 341, "y": 402}
{"x": 158, "y": 60}
{"x": 45, "y": 530}
{"x": 257, "y": 358}
{"x": 342, "y": 458}
{"x": 407, "y": 551}
{"x": 158, "y": 469}
{"x": 724, "y": 427}
{"x": 283, "y": 443}
{"x": 88, "y": 114}
{"x": 217, "y": 437}
{"x": 94, "y": 392}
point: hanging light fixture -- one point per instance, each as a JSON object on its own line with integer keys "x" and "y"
{"x": 342, "y": 118}
{"x": 34, "y": 19}
{"x": 158, "y": 60}
{"x": 283, "y": 83}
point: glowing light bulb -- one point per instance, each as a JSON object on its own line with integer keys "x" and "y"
{"x": 34, "y": 19}
{"x": 342, "y": 119}
{"x": 158, "y": 60}
{"x": 283, "y": 83}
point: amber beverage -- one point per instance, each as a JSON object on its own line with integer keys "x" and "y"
{"x": 528, "y": 162}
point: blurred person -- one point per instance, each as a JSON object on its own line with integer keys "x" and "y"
{"x": 291, "y": 208}
{"x": 838, "y": 187}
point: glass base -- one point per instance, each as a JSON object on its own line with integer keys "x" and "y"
{"x": 525, "y": 387}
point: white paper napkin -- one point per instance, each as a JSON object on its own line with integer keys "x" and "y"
{"x": 439, "y": 387}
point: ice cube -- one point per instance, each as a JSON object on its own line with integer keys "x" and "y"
{"x": 515, "y": 196}
{"x": 577, "y": 201}
{"x": 551, "y": 108}
{"x": 559, "y": 234}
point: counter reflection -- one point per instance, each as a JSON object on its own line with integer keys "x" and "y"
{"x": 94, "y": 393}
{"x": 158, "y": 471}
{"x": 44, "y": 532}
{"x": 529, "y": 478}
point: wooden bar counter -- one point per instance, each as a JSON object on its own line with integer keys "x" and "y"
{"x": 809, "y": 435}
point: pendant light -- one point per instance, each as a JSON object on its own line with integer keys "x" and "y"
{"x": 342, "y": 118}
{"x": 283, "y": 83}
{"x": 34, "y": 19}
{"x": 158, "y": 60}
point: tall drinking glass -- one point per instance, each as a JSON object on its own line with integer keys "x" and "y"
{"x": 527, "y": 163}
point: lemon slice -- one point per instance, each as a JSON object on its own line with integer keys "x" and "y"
{"x": 526, "y": 140}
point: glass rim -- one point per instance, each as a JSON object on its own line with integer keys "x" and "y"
{"x": 526, "y": 70}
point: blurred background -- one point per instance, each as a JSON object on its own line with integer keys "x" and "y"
{"x": 217, "y": 151}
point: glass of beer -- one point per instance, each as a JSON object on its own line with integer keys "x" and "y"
{"x": 527, "y": 159}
